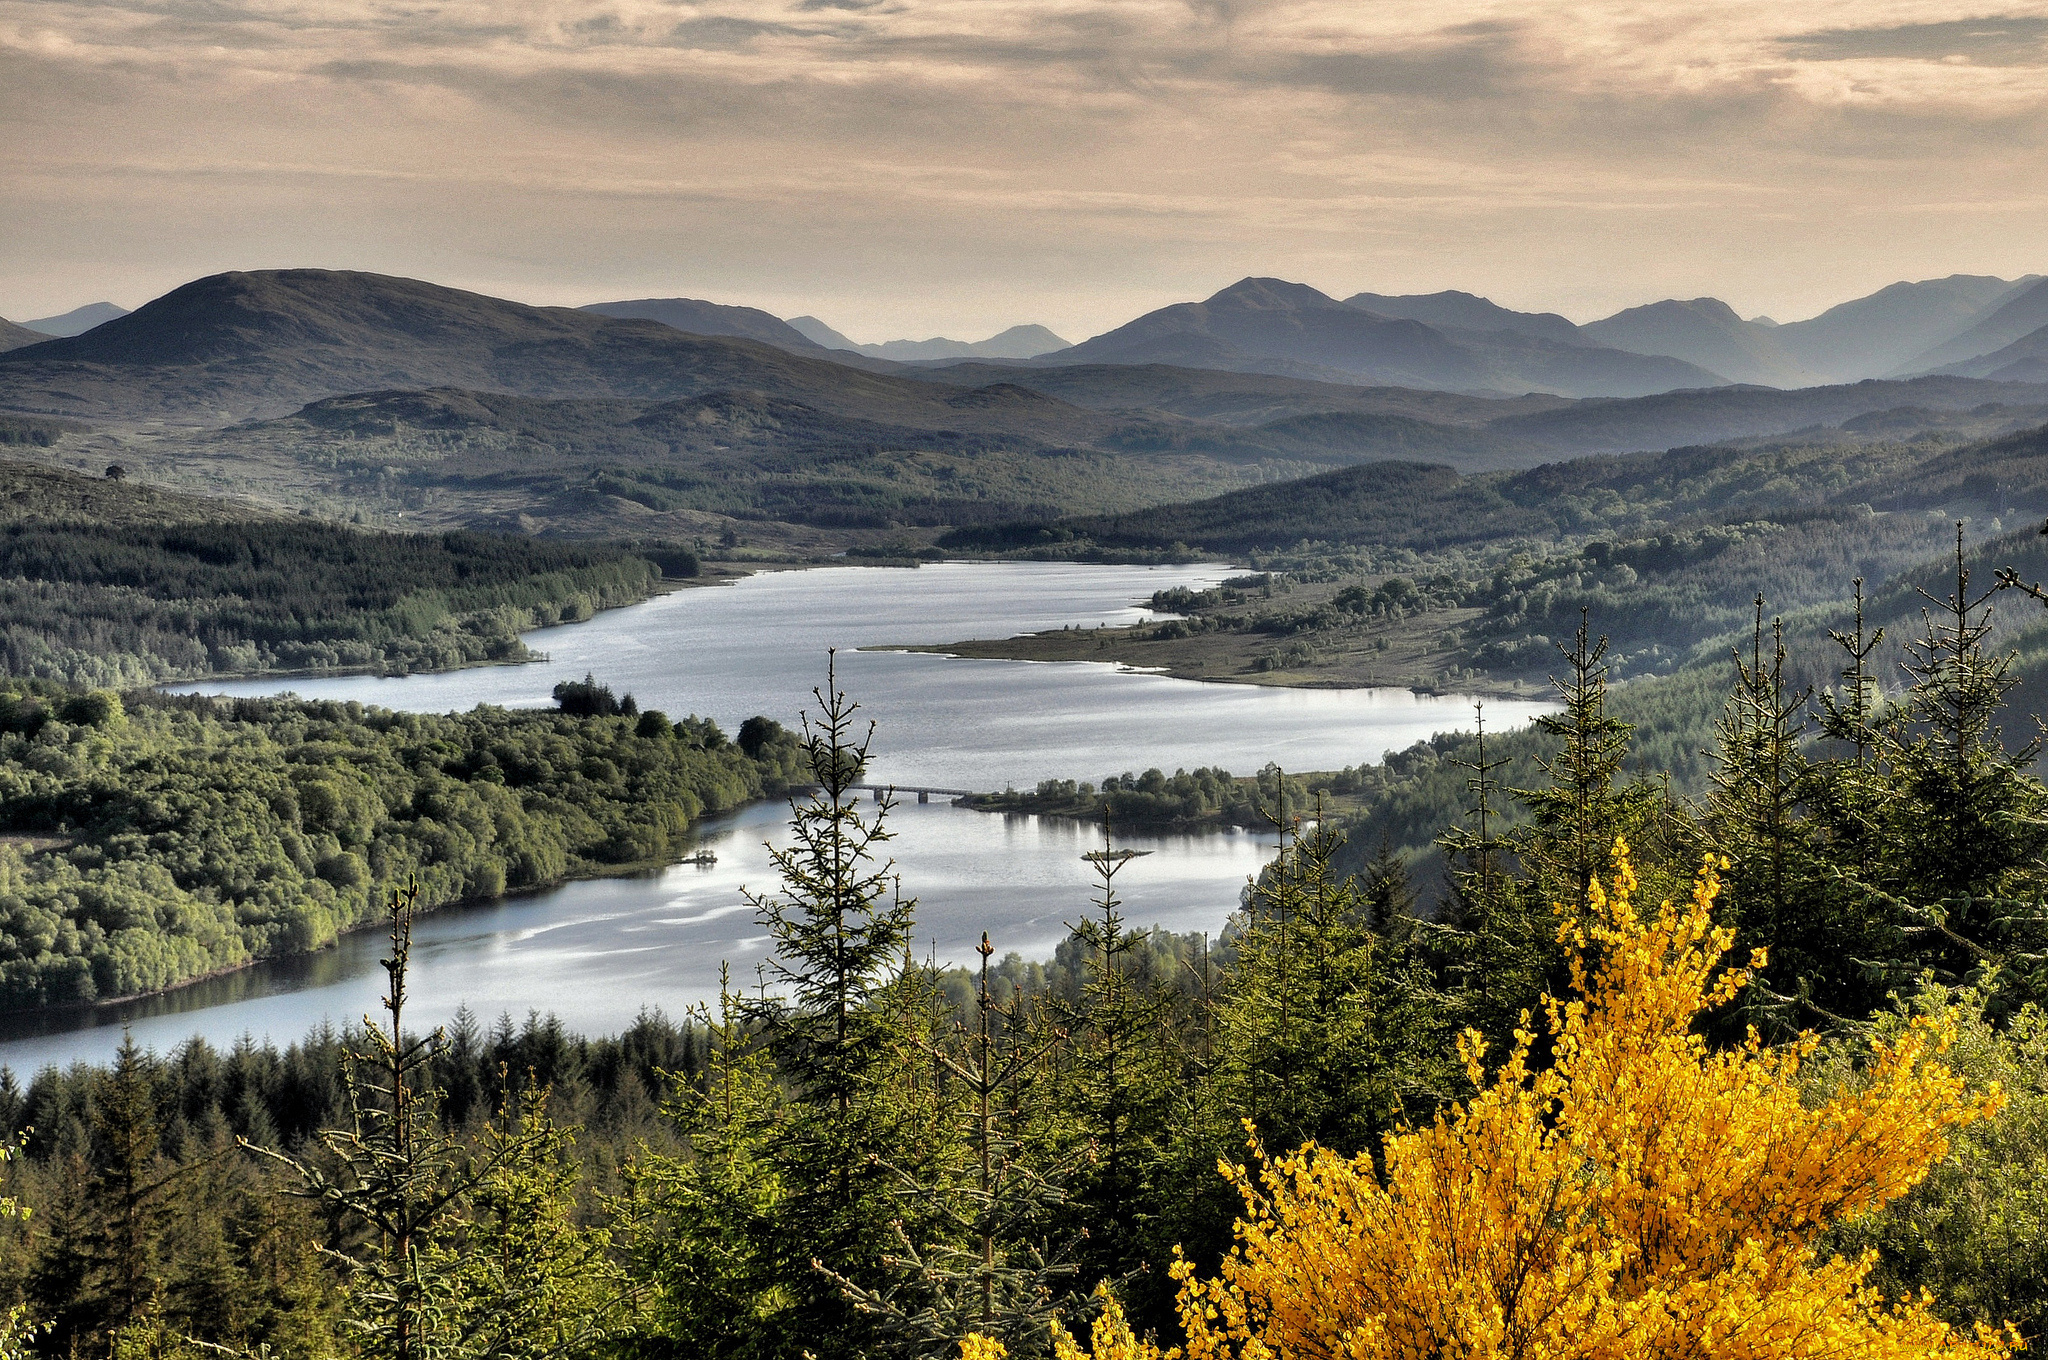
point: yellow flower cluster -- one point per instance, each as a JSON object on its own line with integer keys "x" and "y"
{"x": 1644, "y": 1196}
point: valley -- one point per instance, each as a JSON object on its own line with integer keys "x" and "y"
{"x": 835, "y": 680}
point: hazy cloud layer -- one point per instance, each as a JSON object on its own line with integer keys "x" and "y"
{"x": 915, "y": 166}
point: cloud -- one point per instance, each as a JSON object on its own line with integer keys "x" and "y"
{"x": 931, "y": 158}
{"x": 1995, "y": 40}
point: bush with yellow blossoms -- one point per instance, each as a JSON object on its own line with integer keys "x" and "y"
{"x": 1643, "y": 1196}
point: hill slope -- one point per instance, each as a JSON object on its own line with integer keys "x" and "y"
{"x": 1870, "y": 337}
{"x": 1427, "y": 507}
{"x": 1233, "y": 398}
{"x": 110, "y": 583}
{"x": 14, "y": 337}
{"x": 1702, "y": 417}
{"x": 2018, "y": 315}
{"x": 2024, "y": 360}
{"x": 711, "y": 318}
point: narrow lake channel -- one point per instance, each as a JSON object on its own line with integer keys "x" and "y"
{"x": 597, "y": 953}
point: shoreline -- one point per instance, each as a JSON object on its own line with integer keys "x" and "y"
{"x": 1189, "y": 659}
{"x": 668, "y": 585}
{"x": 631, "y": 869}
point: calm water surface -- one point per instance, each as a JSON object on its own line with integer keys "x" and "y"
{"x": 596, "y": 953}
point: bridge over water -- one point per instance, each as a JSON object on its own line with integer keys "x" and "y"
{"x": 924, "y": 792}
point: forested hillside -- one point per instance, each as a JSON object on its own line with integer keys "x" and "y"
{"x": 108, "y": 583}
{"x": 1426, "y": 507}
{"x": 152, "y": 840}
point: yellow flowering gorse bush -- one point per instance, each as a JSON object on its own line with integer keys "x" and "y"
{"x": 1644, "y": 1196}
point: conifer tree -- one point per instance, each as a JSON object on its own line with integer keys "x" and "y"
{"x": 1321, "y": 1020}
{"x": 1492, "y": 950}
{"x": 1575, "y": 818}
{"x": 1120, "y": 1084}
{"x": 1756, "y": 817}
{"x": 526, "y": 1282}
{"x": 1849, "y": 793}
{"x": 1955, "y": 874}
{"x": 995, "y": 1268}
{"x": 840, "y": 929}
{"x": 105, "y": 1270}
{"x": 17, "y": 1332}
{"x": 699, "y": 1231}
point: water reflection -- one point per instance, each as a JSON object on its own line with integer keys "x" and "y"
{"x": 597, "y": 953}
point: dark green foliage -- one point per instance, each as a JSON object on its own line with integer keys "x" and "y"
{"x": 169, "y": 838}
{"x": 1118, "y": 1096}
{"x": 1583, "y": 806}
{"x": 758, "y": 732}
{"x": 40, "y": 431}
{"x": 397, "y": 1180}
{"x": 1326, "y": 1003}
{"x": 586, "y": 698}
{"x": 989, "y": 1264}
{"x": 842, "y": 937}
{"x": 1155, "y": 799}
{"x": 120, "y": 604}
{"x": 424, "y": 1280}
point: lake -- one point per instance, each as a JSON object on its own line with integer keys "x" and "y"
{"x": 595, "y": 953}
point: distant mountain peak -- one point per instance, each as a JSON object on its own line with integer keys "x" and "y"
{"x": 1708, "y": 332}
{"x": 2018, "y": 313}
{"x": 1467, "y": 311}
{"x": 78, "y": 320}
{"x": 1018, "y": 342}
{"x": 818, "y": 332}
{"x": 1279, "y": 294}
{"x": 1710, "y": 307}
{"x": 1267, "y": 325}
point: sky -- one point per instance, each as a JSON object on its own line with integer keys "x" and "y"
{"x": 923, "y": 167}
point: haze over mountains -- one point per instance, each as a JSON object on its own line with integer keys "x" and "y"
{"x": 2016, "y": 330}
{"x": 78, "y": 320}
{"x": 1018, "y": 342}
{"x": 1469, "y": 343}
{"x": 720, "y": 409}
{"x": 1887, "y": 334}
{"x": 1273, "y": 326}
{"x": 1966, "y": 325}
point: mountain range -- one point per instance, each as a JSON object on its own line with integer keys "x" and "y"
{"x": 240, "y": 345}
{"x": 1018, "y": 342}
{"x": 1274, "y": 326}
{"x": 1903, "y": 329}
{"x": 2016, "y": 331}
{"x": 1466, "y": 342}
{"x": 330, "y": 381}
{"x": 1469, "y": 343}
